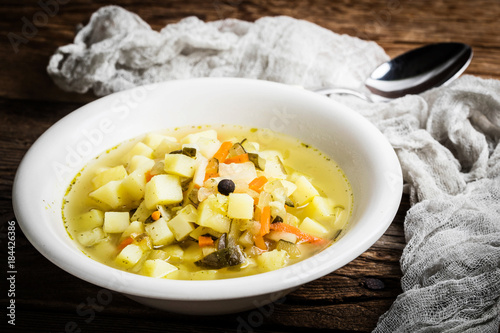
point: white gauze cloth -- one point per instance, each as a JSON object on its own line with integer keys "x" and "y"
{"x": 446, "y": 140}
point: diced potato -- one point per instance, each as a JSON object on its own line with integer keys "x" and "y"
{"x": 180, "y": 164}
{"x": 91, "y": 237}
{"x": 320, "y": 208}
{"x": 173, "y": 252}
{"x": 138, "y": 149}
{"x": 305, "y": 191}
{"x": 167, "y": 145}
{"x": 129, "y": 256}
{"x": 135, "y": 227}
{"x": 274, "y": 168}
{"x": 134, "y": 184}
{"x": 208, "y": 146}
{"x": 246, "y": 239}
{"x": 200, "y": 231}
{"x": 194, "y": 137}
{"x": 240, "y": 206}
{"x": 272, "y": 260}
{"x": 210, "y": 215}
{"x": 91, "y": 219}
{"x": 140, "y": 163}
{"x": 115, "y": 222}
{"x": 182, "y": 224}
{"x": 104, "y": 177}
{"x": 154, "y": 139}
{"x": 142, "y": 212}
{"x": 192, "y": 253}
{"x": 163, "y": 190}
{"x": 314, "y": 228}
{"x": 111, "y": 194}
{"x": 160, "y": 232}
{"x": 157, "y": 268}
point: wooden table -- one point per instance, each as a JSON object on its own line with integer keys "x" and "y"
{"x": 348, "y": 300}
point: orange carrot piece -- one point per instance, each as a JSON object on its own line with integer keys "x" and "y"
{"x": 257, "y": 183}
{"x": 156, "y": 215}
{"x": 259, "y": 242}
{"x": 223, "y": 151}
{"x": 212, "y": 169}
{"x": 125, "y": 242}
{"x": 148, "y": 175}
{"x": 265, "y": 221}
{"x": 205, "y": 241}
{"x": 303, "y": 236}
{"x": 237, "y": 159}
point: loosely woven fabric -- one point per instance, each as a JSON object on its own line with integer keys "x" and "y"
{"x": 446, "y": 140}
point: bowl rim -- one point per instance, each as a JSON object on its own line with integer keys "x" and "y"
{"x": 202, "y": 290}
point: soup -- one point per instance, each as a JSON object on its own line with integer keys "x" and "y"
{"x": 207, "y": 202}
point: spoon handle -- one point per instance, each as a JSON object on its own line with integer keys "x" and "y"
{"x": 343, "y": 91}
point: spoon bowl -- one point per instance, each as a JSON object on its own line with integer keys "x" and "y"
{"x": 413, "y": 72}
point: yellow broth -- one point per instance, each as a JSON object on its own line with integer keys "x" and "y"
{"x": 183, "y": 257}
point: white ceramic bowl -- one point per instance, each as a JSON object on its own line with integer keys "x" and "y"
{"x": 355, "y": 144}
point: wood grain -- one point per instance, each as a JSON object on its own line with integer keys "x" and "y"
{"x": 350, "y": 299}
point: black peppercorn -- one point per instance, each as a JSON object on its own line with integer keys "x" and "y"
{"x": 226, "y": 186}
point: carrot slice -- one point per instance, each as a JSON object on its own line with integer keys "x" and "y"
{"x": 265, "y": 221}
{"x": 125, "y": 242}
{"x": 223, "y": 151}
{"x": 257, "y": 183}
{"x": 303, "y": 236}
{"x": 205, "y": 241}
{"x": 237, "y": 159}
{"x": 259, "y": 242}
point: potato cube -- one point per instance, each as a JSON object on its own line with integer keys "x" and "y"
{"x": 167, "y": 145}
{"x": 104, "y": 177}
{"x": 138, "y": 149}
{"x": 192, "y": 253}
{"x": 157, "y": 268}
{"x": 174, "y": 253}
{"x": 135, "y": 227}
{"x": 111, "y": 194}
{"x": 272, "y": 260}
{"x": 163, "y": 190}
{"x": 90, "y": 237}
{"x": 91, "y": 219}
{"x": 208, "y": 147}
{"x": 140, "y": 163}
{"x": 160, "y": 233}
{"x": 314, "y": 228}
{"x": 154, "y": 139}
{"x": 320, "y": 208}
{"x": 211, "y": 216}
{"x": 180, "y": 164}
{"x": 115, "y": 222}
{"x": 183, "y": 223}
{"x": 129, "y": 256}
{"x": 134, "y": 185}
{"x": 194, "y": 137}
{"x": 240, "y": 206}
{"x": 305, "y": 191}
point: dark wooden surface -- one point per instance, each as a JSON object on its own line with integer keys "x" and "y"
{"x": 348, "y": 300}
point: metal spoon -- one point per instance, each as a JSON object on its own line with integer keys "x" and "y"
{"x": 413, "y": 72}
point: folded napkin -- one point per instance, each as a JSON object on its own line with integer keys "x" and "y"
{"x": 446, "y": 140}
